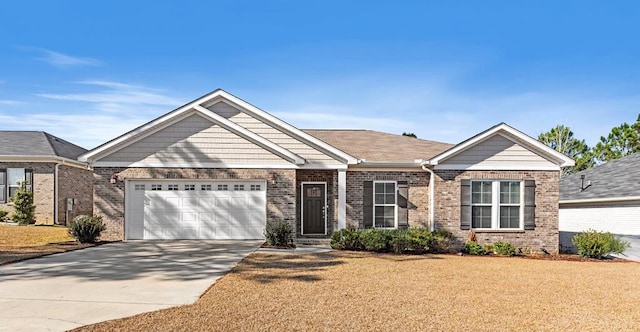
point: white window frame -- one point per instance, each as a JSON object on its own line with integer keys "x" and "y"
{"x": 495, "y": 204}
{"x": 395, "y": 204}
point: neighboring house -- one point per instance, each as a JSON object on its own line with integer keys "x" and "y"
{"x": 219, "y": 167}
{"x": 61, "y": 185}
{"x": 604, "y": 198}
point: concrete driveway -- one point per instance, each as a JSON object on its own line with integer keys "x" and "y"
{"x": 632, "y": 253}
{"x": 64, "y": 291}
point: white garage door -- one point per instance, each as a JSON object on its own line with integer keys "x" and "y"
{"x": 195, "y": 210}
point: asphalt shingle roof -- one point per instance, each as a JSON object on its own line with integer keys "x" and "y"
{"x": 37, "y": 143}
{"x": 375, "y": 146}
{"x": 617, "y": 178}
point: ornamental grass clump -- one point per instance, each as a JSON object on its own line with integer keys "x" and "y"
{"x": 86, "y": 229}
{"x": 279, "y": 234}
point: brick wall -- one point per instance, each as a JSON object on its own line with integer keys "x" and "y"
{"x": 331, "y": 178}
{"x": 74, "y": 183}
{"x": 109, "y": 198}
{"x": 43, "y": 190}
{"x": 418, "y": 205}
{"x": 545, "y": 235}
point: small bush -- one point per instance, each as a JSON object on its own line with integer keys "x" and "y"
{"x": 473, "y": 248}
{"x": 400, "y": 241}
{"x": 346, "y": 239}
{"x": 279, "y": 234}
{"x": 3, "y": 215}
{"x": 504, "y": 249}
{"x": 441, "y": 242}
{"x": 86, "y": 229}
{"x": 596, "y": 244}
{"x": 378, "y": 240}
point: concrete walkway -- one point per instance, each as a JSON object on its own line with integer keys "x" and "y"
{"x": 64, "y": 291}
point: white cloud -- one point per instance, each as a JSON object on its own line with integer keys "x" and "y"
{"x": 86, "y": 130}
{"x": 91, "y": 118}
{"x": 437, "y": 109}
{"x": 63, "y": 60}
{"x": 9, "y": 102}
{"x": 116, "y": 97}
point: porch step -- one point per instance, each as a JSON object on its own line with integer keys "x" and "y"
{"x": 313, "y": 242}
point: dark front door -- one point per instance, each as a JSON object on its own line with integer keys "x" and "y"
{"x": 313, "y": 208}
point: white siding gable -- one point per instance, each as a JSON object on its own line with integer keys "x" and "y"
{"x": 498, "y": 152}
{"x": 194, "y": 141}
{"x": 311, "y": 155}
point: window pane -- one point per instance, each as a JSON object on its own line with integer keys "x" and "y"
{"x": 390, "y": 187}
{"x": 379, "y": 188}
{"x": 385, "y": 216}
{"x": 510, "y": 192}
{"x": 379, "y": 198}
{"x": 510, "y": 217}
{"x": 515, "y": 192}
{"x": 12, "y": 191}
{"x": 2, "y": 191}
{"x": 481, "y": 192}
{"x": 390, "y": 199}
{"x": 481, "y": 217}
{"x": 15, "y": 176}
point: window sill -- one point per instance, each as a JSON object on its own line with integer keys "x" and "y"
{"x": 498, "y": 230}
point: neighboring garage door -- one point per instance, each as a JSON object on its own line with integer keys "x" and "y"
{"x": 195, "y": 210}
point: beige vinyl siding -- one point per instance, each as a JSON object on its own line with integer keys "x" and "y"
{"x": 245, "y": 120}
{"x": 498, "y": 151}
{"x": 194, "y": 140}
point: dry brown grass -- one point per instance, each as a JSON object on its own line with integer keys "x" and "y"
{"x": 373, "y": 292}
{"x": 23, "y": 242}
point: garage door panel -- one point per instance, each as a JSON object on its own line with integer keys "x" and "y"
{"x": 195, "y": 214}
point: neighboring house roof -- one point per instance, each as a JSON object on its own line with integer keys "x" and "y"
{"x": 528, "y": 152}
{"x": 613, "y": 180}
{"x": 14, "y": 144}
{"x": 375, "y": 146}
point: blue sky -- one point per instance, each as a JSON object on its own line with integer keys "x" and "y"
{"x": 89, "y": 71}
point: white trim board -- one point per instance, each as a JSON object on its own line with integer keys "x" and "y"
{"x": 603, "y": 200}
{"x": 215, "y": 165}
{"x": 514, "y": 167}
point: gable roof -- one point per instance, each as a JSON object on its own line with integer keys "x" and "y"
{"x": 618, "y": 178}
{"x": 510, "y": 133}
{"x": 375, "y": 146}
{"x": 36, "y": 144}
{"x": 199, "y": 106}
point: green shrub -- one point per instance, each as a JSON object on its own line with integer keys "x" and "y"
{"x": 279, "y": 234}
{"x": 3, "y": 215}
{"x": 378, "y": 240}
{"x": 346, "y": 239}
{"x": 23, "y": 205}
{"x": 596, "y": 244}
{"x": 400, "y": 241}
{"x": 441, "y": 242}
{"x": 473, "y": 248}
{"x": 504, "y": 249}
{"x": 86, "y": 229}
{"x": 419, "y": 240}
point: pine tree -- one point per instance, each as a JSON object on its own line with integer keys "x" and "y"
{"x": 23, "y": 205}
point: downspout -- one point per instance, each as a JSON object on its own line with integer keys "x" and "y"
{"x": 55, "y": 194}
{"x": 432, "y": 204}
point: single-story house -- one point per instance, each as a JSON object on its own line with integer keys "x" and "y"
{"x": 604, "y": 198}
{"x": 61, "y": 185}
{"x": 219, "y": 167}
